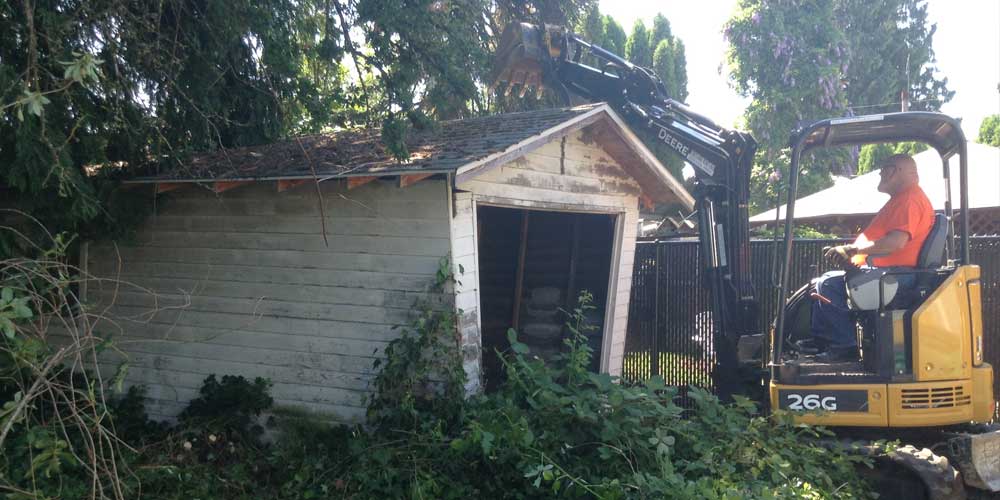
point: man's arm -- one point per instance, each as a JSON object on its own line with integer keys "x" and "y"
{"x": 885, "y": 245}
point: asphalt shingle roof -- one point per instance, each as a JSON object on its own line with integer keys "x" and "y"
{"x": 445, "y": 148}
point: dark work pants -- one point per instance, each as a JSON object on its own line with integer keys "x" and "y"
{"x": 832, "y": 322}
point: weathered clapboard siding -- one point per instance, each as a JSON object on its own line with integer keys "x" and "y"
{"x": 465, "y": 264}
{"x": 578, "y": 175}
{"x": 243, "y": 283}
{"x": 107, "y": 265}
{"x": 621, "y": 278}
{"x": 311, "y": 225}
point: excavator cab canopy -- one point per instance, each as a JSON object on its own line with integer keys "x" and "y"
{"x": 941, "y": 132}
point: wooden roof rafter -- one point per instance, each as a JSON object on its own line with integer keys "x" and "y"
{"x": 163, "y": 187}
{"x": 409, "y": 180}
{"x": 222, "y": 186}
{"x": 359, "y": 180}
{"x": 286, "y": 184}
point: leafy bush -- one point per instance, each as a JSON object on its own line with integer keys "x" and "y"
{"x": 552, "y": 430}
{"x": 560, "y": 430}
{"x": 57, "y": 438}
{"x": 421, "y": 374}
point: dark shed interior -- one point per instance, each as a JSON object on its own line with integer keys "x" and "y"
{"x": 532, "y": 265}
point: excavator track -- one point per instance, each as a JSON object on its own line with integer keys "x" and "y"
{"x": 938, "y": 479}
{"x": 937, "y": 464}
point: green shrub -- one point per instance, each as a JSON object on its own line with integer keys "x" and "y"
{"x": 552, "y": 430}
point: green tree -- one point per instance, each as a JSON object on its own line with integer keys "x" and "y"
{"x": 614, "y": 36}
{"x": 871, "y": 155}
{"x": 591, "y": 26}
{"x": 660, "y": 31}
{"x": 804, "y": 60}
{"x": 989, "y": 131}
{"x": 637, "y": 48}
{"x": 140, "y": 85}
{"x": 664, "y": 67}
{"x": 680, "y": 70}
{"x": 891, "y": 50}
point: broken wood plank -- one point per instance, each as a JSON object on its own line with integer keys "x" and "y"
{"x": 163, "y": 187}
{"x": 286, "y": 184}
{"x": 220, "y": 186}
{"x": 409, "y": 180}
{"x": 353, "y": 182}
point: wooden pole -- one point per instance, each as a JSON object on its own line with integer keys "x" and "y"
{"x": 574, "y": 248}
{"x": 519, "y": 280}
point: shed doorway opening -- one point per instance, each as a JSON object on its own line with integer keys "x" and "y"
{"x": 532, "y": 266}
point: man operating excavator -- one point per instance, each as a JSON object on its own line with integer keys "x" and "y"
{"x": 892, "y": 240}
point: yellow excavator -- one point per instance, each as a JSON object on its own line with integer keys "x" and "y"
{"x": 921, "y": 378}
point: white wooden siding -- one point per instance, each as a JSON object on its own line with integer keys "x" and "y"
{"x": 577, "y": 176}
{"x": 465, "y": 266}
{"x": 242, "y": 283}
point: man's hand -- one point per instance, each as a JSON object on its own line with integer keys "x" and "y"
{"x": 841, "y": 254}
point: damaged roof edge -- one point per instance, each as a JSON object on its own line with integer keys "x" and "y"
{"x": 474, "y": 169}
{"x": 667, "y": 187}
{"x": 320, "y": 178}
{"x": 479, "y": 167}
{"x": 649, "y": 159}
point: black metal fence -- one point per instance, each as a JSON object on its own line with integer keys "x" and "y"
{"x": 670, "y": 321}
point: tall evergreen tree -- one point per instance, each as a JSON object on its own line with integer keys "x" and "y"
{"x": 661, "y": 31}
{"x": 665, "y": 67}
{"x": 614, "y": 36}
{"x": 680, "y": 69}
{"x": 637, "y": 48}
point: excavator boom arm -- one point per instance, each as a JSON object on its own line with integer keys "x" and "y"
{"x": 536, "y": 57}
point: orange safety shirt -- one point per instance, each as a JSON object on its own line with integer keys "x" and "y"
{"x": 909, "y": 211}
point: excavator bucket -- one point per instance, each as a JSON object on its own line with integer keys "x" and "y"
{"x": 521, "y": 58}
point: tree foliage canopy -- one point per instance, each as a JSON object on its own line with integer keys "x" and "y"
{"x": 989, "y": 131}
{"x": 655, "y": 48}
{"x": 126, "y": 84}
{"x": 871, "y": 155}
{"x": 805, "y": 60}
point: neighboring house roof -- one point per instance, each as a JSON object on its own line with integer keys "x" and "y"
{"x": 859, "y": 196}
{"x": 465, "y": 148}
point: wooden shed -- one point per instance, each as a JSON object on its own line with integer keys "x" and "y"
{"x": 294, "y": 261}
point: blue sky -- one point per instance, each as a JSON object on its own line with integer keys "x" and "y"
{"x": 967, "y": 45}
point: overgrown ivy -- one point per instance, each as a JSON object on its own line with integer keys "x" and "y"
{"x": 553, "y": 429}
{"x": 420, "y": 374}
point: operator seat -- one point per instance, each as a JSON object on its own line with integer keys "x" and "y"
{"x": 932, "y": 252}
{"x": 863, "y": 285}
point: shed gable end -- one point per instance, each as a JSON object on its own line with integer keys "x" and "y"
{"x": 573, "y": 169}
